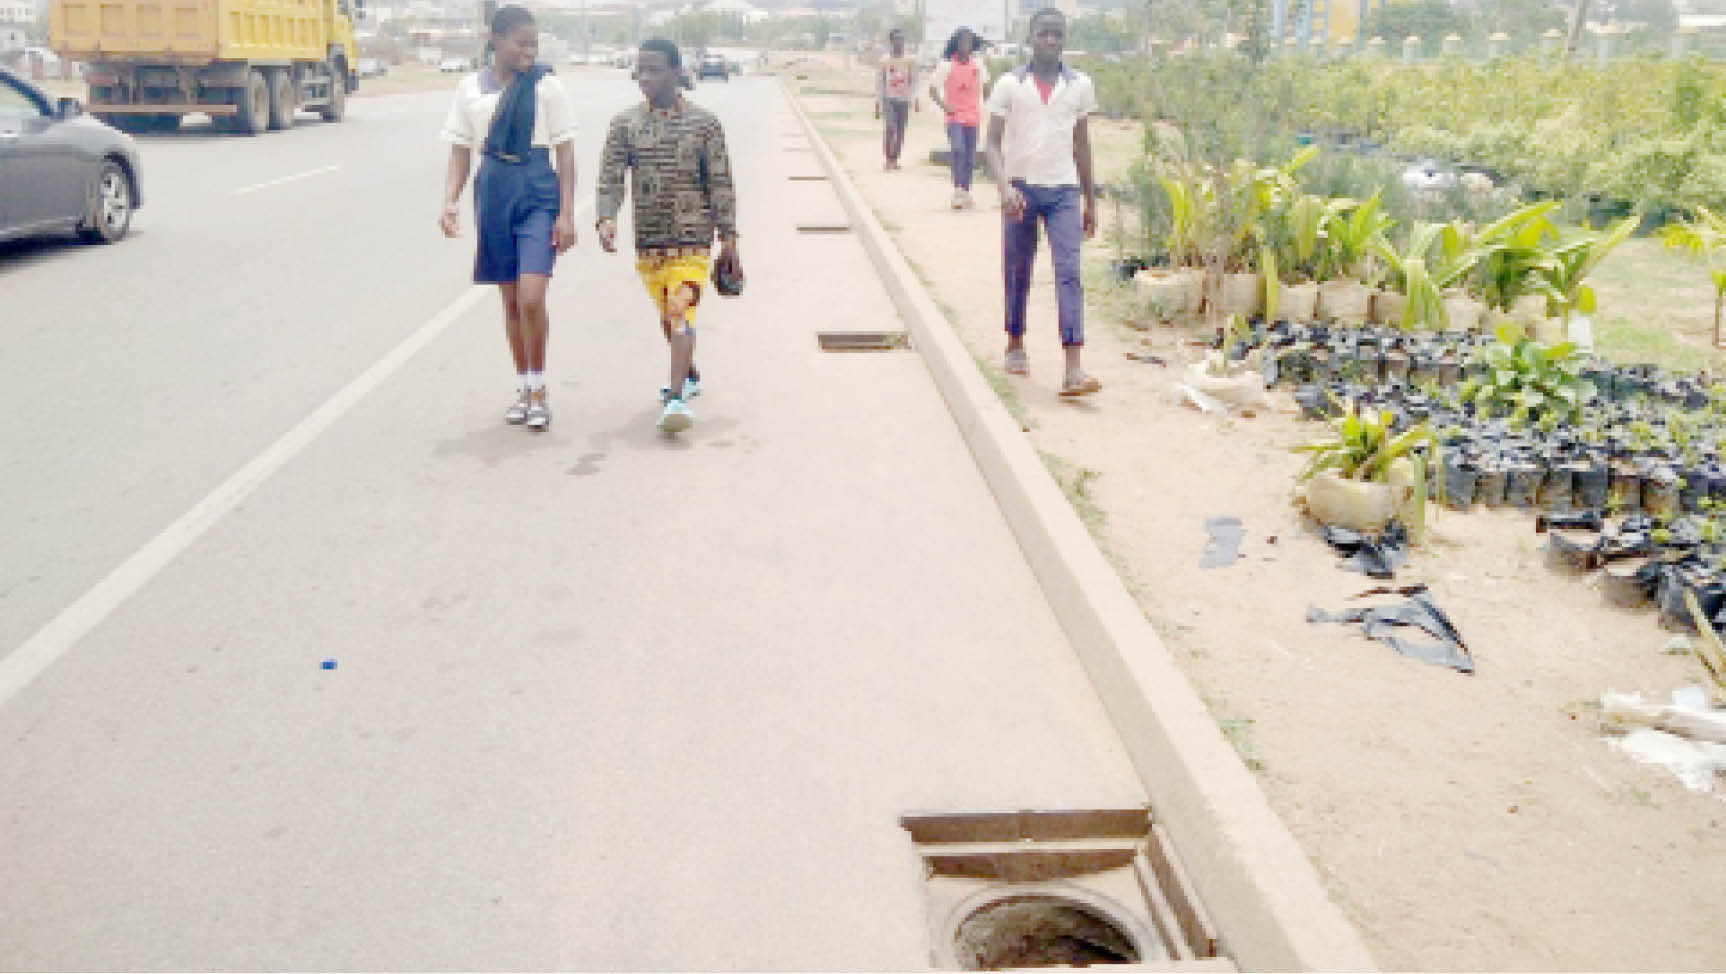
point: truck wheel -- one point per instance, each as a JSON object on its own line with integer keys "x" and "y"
{"x": 281, "y": 99}
{"x": 337, "y": 106}
{"x": 254, "y": 105}
{"x": 111, "y": 204}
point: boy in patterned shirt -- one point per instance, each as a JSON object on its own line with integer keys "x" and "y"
{"x": 681, "y": 177}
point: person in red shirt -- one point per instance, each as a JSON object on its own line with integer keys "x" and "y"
{"x": 957, "y": 86}
{"x": 895, "y": 96}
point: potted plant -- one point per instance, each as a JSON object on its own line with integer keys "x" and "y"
{"x": 1363, "y": 474}
{"x": 1351, "y": 230}
{"x": 1420, "y": 279}
{"x": 1526, "y": 379}
{"x": 1296, "y": 229}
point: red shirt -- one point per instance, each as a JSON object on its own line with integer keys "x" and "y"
{"x": 963, "y": 94}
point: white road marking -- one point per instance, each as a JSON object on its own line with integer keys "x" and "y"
{"x": 285, "y": 179}
{"x": 77, "y": 619}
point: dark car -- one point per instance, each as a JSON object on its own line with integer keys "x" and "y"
{"x": 61, "y": 170}
{"x": 713, "y": 66}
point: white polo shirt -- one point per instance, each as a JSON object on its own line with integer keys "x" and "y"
{"x": 476, "y": 99}
{"x": 1039, "y": 138}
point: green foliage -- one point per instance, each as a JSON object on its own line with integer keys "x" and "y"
{"x": 1423, "y": 270}
{"x": 1563, "y": 277}
{"x": 1703, "y": 237}
{"x": 1648, "y": 131}
{"x": 1510, "y": 253}
{"x": 1353, "y": 232}
{"x": 1525, "y": 379}
{"x": 1429, "y": 20}
{"x": 1362, "y": 446}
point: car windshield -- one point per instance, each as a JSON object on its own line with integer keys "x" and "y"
{"x": 15, "y": 103}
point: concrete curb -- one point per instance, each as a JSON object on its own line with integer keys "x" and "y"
{"x": 1264, "y": 894}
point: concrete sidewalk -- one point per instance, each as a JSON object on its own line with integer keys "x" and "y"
{"x": 603, "y": 700}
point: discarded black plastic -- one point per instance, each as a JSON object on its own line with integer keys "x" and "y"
{"x": 1224, "y": 546}
{"x": 1521, "y": 484}
{"x": 1378, "y": 557}
{"x": 1385, "y": 623}
{"x": 1574, "y": 520}
{"x": 1592, "y": 483}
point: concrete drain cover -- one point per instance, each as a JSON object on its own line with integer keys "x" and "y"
{"x": 798, "y": 177}
{"x": 862, "y": 341}
{"x": 1011, "y": 890}
{"x": 823, "y": 228}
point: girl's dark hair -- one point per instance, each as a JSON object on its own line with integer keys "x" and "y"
{"x": 665, "y": 47}
{"x": 952, "y": 47}
{"x": 509, "y": 18}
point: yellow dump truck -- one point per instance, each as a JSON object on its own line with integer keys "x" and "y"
{"x": 248, "y": 64}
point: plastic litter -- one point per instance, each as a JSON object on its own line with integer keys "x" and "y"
{"x": 1378, "y": 556}
{"x": 1184, "y": 393}
{"x": 1386, "y": 623}
{"x": 328, "y": 664}
{"x": 1224, "y": 546}
{"x": 1698, "y": 764}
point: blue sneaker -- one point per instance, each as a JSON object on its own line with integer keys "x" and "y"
{"x": 676, "y": 417}
{"x": 691, "y": 389}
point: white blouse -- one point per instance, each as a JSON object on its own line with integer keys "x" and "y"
{"x": 476, "y": 99}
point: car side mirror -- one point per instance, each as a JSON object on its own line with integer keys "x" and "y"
{"x": 68, "y": 108}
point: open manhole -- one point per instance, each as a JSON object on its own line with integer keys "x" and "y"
{"x": 823, "y": 228}
{"x": 1040, "y": 931}
{"x": 862, "y": 341}
{"x": 1013, "y": 890}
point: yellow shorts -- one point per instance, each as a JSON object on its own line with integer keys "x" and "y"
{"x": 673, "y": 281}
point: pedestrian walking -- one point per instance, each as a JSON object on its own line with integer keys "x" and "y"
{"x": 957, "y": 86}
{"x": 680, "y": 175}
{"x": 895, "y": 96}
{"x": 1045, "y": 175}
{"x": 518, "y": 116}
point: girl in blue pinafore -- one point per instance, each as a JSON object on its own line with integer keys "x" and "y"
{"x": 518, "y": 116}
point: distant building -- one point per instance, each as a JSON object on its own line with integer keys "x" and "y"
{"x": 18, "y": 12}
{"x": 1325, "y": 23}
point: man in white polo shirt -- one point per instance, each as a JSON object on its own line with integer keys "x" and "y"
{"x": 1044, "y": 174}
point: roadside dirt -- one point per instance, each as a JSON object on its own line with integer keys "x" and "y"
{"x": 1464, "y": 822}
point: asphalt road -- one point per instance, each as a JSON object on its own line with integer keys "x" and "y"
{"x": 601, "y": 699}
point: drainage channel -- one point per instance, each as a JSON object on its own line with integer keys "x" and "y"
{"x": 862, "y": 341}
{"x": 1013, "y": 890}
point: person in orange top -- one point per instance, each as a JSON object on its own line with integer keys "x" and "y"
{"x": 957, "y": 86}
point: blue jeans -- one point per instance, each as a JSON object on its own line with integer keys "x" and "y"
{"x": 963, "y": 141}
{"x": 1058, "y": 209}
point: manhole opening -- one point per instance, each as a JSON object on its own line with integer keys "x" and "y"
{"x": 1040, "y": 931}
{"x": 1059, "y": 888}
{"x": 862, "y": 341}
{"x": 823, "y": 228}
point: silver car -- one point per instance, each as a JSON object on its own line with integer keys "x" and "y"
{"x": 61, "y": 170}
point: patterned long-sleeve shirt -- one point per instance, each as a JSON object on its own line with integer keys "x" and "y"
{"x": 681, "y": 177}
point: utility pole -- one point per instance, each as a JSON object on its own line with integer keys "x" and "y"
{"x": 1573, "y": 39}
